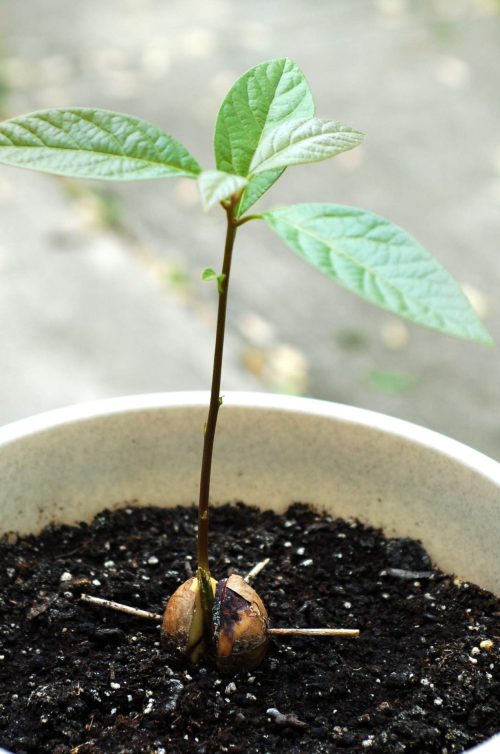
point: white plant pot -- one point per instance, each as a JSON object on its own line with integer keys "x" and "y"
{"x": 270, "y": 451}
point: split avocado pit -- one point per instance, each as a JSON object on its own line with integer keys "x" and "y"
{"x": 236, "y": 634}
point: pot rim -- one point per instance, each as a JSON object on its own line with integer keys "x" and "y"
{"x": 416, "y": 433}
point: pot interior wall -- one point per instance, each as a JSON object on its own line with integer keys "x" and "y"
{"x": 70, "y": 466}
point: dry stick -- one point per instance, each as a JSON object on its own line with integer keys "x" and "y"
{"x": 121, "y": 608}
{"x": 111, "y": 605}
{"x": 258, "y": 567}
{"x": 347, "y": 632}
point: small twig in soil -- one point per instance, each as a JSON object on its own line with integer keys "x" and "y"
{"x": 121, "y": 608}
{"x": 286, "y": 721}
{"x": 258, "y": 567}
{"x": 188, "y": 568}
{"x": 351, "y": 633}
{"x": 111, "y": 605}
{"x": 401, "y": 573}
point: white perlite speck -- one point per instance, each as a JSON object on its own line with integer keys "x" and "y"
{"x": 66, "y": 576}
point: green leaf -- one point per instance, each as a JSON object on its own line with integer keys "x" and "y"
{"x": 88, "y": 143}
{"x": 257, "y": 185}
{"x": 260, "y": 100}
{"x": 215, "y": 186}
{"x": 210, "y": 274}
{"x": 300, "y": 141}
{"x": 380, "y": 262}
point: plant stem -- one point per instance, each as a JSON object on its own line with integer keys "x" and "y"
{"x": 215, "y": 399}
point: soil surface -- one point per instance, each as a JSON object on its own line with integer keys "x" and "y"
{"x": 76, "y": 679}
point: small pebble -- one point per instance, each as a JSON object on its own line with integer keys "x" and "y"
{"x": 66, "y": 576}
{"x": 307, "y": 562}
{"x": 288, "y": 720}
{"x": 175, "y": 688}
{"x": 153, "y": 560}
{"x": 230, "y": 688}
{"x": 486, "y": 644}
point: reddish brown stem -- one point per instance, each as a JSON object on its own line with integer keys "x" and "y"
{"x": 215, "y": 399}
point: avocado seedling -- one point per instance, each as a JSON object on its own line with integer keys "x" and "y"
{"x": 266, "y": 123}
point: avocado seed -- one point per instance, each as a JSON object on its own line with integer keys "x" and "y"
{"x": 183, "y": 625}
{"x": 240, "y": 626}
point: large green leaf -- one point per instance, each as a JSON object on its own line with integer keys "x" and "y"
{"x": 299, "y": 141}
{"x": 379, "y": 261}
{"x": 260, "y": 100}
{"x": 88, "y": 143}
{"x": 215, "y": 186}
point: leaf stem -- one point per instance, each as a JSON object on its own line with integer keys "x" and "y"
{"x": 215, "y": 399}
{"x": 247, "y": 219}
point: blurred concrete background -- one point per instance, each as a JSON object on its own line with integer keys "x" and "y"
{"x": 100, "y": 290}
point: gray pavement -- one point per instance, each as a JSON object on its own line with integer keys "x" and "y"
{"x": 99, "y": 286}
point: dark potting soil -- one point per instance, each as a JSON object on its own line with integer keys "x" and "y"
{"x": 77, "y": 679}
